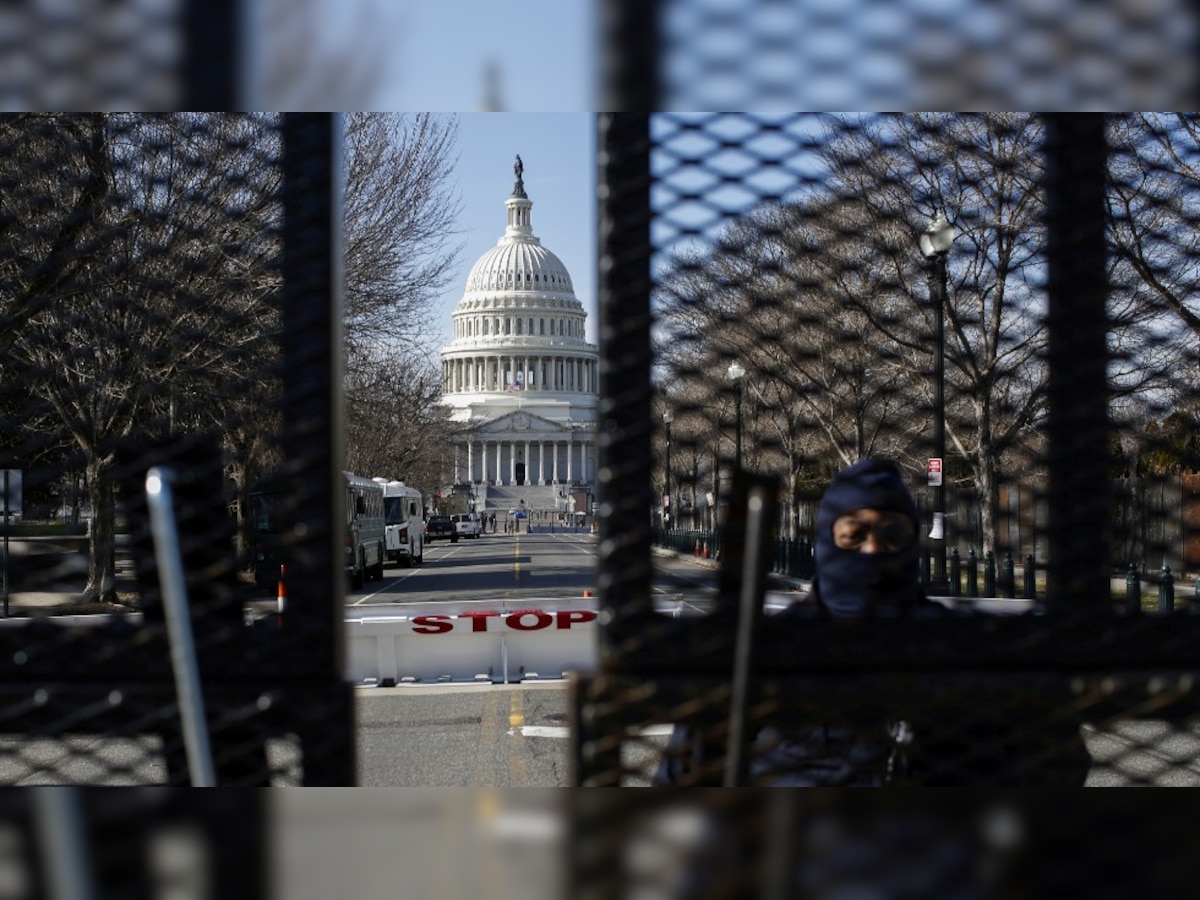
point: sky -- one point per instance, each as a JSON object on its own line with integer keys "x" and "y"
{"x": 558, "y": 150}
{"x": 459, "y": 55}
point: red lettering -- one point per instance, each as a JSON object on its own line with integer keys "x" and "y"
{"x": 432, "y": 624}
{"x": 479, "y": 619}
{"x": 543, "y": 620}
{"x": 569, "y": 617}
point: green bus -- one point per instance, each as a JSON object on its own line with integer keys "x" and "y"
{"x": 365, "y": 542}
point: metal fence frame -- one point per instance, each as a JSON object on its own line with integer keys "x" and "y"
{"x": 1103, "y": 664}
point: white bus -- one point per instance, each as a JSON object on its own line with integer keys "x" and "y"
{"x": 404, "y": 522}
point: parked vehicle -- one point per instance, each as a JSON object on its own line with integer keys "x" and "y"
{"x": 365, "y": 532}
{"x": 440, "y": 527}
{"x": 365, "y": 540}
{"x": 467, "y": 525}
{"x": 404, "y": 522}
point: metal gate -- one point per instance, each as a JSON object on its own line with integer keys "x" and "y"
{"x": 760, "y": 275}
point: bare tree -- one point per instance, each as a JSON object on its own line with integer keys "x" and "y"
{"x": 165, "y": 317}
{"x": 399, "y": 220}
{"x": 397, "y": 428}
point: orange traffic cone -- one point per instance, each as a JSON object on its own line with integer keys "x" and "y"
{"x": 697, "y": 548}
{"x": 706, "y": 549}
{"x": 282, "y": 595}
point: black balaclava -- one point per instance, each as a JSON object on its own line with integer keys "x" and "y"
{"x": 850, "y": 583}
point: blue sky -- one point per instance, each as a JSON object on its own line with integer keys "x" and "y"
{"x": 443, "y": 51}
{"x": 558, "y": 150}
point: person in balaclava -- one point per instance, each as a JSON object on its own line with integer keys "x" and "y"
{"x": 866, "y": 550}
{"x": 866, "y": 544}
{"x": 866, "y": 564}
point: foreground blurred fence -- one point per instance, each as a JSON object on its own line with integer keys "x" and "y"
{"x": 764, "y": 296}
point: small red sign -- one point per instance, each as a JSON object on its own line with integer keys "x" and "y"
{"x": 934, "y": 470}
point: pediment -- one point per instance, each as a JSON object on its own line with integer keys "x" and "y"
{"x": 519, "y": 422}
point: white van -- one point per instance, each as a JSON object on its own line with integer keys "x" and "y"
{"x": 467, "y": 524}
{"x": 404, "y": 521}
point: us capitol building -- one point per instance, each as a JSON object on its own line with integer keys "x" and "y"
{"x": 519, "y": 377}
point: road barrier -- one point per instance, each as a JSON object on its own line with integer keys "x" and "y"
{"x": 497, "y": 641}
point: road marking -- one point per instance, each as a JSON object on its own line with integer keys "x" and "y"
{"x": 562, "y": 732}
{"x": 516, "y": 718}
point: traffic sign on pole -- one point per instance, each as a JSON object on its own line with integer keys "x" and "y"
{"x": 933, "y": 469}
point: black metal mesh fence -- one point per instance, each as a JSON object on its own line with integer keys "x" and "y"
{"x": 766, "y": 298}
{"x": 159, "y": 285}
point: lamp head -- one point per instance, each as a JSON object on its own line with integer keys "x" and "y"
{"x": 937, "y": 238}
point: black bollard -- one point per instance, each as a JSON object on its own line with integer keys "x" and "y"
{"x": 1133, "y": 591}
{"x": 955, "y": 574}
{"x": 972, "y": 573}
{"x": 1166, "y": 591}
{"x": 1008, "y": 588}
{"x": 989, "y": 574}
{"x": 1030, "y": 578}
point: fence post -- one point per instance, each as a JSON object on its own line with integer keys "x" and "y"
{"x": 955, "y": 573}
{"x": 972, "y": 573}
{"x": 1133, "y": 591}
{"x": 989, "y": 574}
{"x": 1166, "y": 590}
{"x": 1030, "y": 578}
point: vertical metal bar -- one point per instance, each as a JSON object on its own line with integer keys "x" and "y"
{"x": 623, "y": 483}
{"x": 213, "y": 55}
{"x": 62, "y": 841}
{"x": 749, "y": 613}
{"x": 313, "y": 427}
{"x": 1080, "y": 507}
{"x": 629, "y": 55}
{"x": 312, "y": 404}
{"x": 4, "y": 588}
{"x": 169, "y": 559}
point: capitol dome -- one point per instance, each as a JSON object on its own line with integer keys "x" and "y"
{"x": 519, "y": 375}
{"x": 519, "y": 262}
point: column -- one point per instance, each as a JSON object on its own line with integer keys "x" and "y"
{"x": 470, "y": 461}
{"x": 570, "y": 453}
{"x": 499, "y": 449}
{"x": 542, "y": 479}
{"x": 457, "y": 473}
{"x": 512, "y": 462}
{"x": 554, "y": 461}
{"x": 528, "y": 465}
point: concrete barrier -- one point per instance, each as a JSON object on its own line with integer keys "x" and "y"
{"x": 497, "y": 641}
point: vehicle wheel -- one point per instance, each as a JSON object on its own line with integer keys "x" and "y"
{"x": 454, "y": 539}
{"x": 420, "y": 557}
{"x": 377, "y": 569}
{"x": 356, "y": 577}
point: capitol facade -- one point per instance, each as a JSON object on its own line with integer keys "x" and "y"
{"x": 519, "y": 377}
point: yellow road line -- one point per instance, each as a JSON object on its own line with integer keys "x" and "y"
{"x": 516, "y": 718}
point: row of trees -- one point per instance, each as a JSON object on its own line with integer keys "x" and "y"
{"x": 140, "y": 292}
{"x": 824, "y": 300}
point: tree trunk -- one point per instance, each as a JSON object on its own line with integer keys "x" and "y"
{"x": 102, "y": 581}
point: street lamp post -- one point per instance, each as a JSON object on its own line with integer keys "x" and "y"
{"x": 667, "y": 419}
{"x": 935, "y": 244}
{"x": 735, "y": 373}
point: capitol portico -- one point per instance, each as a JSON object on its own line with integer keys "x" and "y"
{"x": 519, "y": 376}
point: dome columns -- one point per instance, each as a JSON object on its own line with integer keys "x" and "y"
{"x": 490, "y": 373}
{"x": 508, "y": 460}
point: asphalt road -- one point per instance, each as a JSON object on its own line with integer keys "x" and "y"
{"x": 516, "y": 735}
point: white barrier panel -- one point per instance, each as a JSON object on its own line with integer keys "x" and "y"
{"x": 500, "y": 641}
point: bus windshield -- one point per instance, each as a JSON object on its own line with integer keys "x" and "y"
{"x": 265, "y": 513}
{"x": 395, "y": 510}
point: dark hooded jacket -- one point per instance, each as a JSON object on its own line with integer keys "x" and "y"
{"x": 872, "y": 753}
